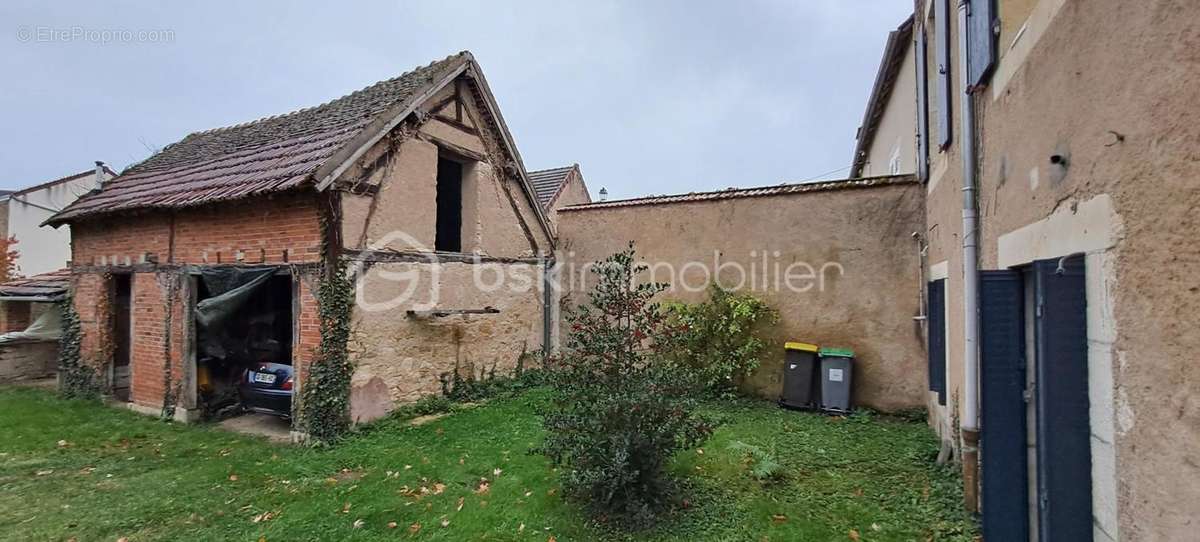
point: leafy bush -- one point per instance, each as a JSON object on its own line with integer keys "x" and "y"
{"x": 718, "y": 340}
{"x": 620, "y": 413}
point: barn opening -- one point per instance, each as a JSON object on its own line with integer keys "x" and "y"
{"x": 244, "y": 335}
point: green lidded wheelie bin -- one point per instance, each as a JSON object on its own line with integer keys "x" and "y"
{"x": 836, "y": 380}
{"x": 799, "y": 375}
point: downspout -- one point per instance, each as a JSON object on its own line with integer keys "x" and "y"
{"x": 547, "y": 307}
{"x": 969, "y": 422}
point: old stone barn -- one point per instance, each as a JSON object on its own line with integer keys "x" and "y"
{"x": 208, "y": 256}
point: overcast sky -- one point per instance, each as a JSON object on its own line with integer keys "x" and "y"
{"x": 649, "y": 97}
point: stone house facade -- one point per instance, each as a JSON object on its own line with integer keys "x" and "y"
{"x": 1066, "y": 364}
{"x": 413, "y": 181}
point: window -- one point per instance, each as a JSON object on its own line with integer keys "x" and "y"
{"x": 941, "y": 45}
{"x": 449, "y": 206}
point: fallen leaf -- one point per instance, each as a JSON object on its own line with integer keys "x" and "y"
{"x": 483, "y": 487}
{"x": 358, "y": 523}
{"x": 233, "y": 478}
{"x": 63, "y": 444}
{"x": 875, "y": 527}
{"x": 521, "y": 529}
{"x": 528, "y": 493}
{"x": 461, "y": 502}
{"x": 414, "y": 528}
{"x": 265, "y": 516}
{"x": 854, "y": 534}
{"x": 700, "y": 451}
{"x": 497, "y": 472}
{"x": 123, "y": 539}
{"x": 779, "y": 518}
{"x": 551, "y": 539}
{"x": 45, "y": 472}
{"x": 392, "y": 525}
{"x": 438, "y": 488}
{"x": 445, "y": 522}
{"x": 346, "y": 508}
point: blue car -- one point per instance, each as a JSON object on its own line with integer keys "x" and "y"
{"x": 267, "y": 388}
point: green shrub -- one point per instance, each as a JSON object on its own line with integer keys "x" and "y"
{"x": 761, "y": 463}
{"x": 718, "y": 340}
{"x": 619, "y": 413}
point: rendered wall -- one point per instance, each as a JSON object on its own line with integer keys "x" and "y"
{"x": 399, "y": 358}
{"x": 44, "y": 249}
{"x": 1111, "y": 87}
{"x": 896, "y": 134}
{"x": 859, "y": 290}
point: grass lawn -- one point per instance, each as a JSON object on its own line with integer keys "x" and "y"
{"x": 118, "y": 474}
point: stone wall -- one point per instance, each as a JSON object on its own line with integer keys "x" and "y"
{"x": 839, "y": 264}
{"x": 27, "y": 360}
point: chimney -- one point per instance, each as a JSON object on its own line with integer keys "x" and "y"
{"x": 99, "y": 175}
{"x": 603, "y": 194}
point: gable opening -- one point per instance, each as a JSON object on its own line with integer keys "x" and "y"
{"x": 449, "y": 205}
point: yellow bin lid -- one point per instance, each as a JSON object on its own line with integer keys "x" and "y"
{"x": 804, "y": 347}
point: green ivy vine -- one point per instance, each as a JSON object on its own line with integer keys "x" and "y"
{"x": 76, "y": 379}
{"x": 325, "y": 396}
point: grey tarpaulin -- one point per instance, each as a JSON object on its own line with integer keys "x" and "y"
{"x": 229, "y": 289}
{"x": 47, "y": 327}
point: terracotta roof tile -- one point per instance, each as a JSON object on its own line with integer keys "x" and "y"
{"x": 46, "y": 285}
{"x": 266, "y": 155}
{"x": 777, "y": 190}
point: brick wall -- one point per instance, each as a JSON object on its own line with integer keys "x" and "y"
{"x": 153, "y": 294}
{"x": 276, "y": 230}
{"x": 14, "y": 316}
{"x": 281, "y": 229}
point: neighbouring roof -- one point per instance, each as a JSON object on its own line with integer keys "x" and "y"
{"x": 547, "y": 183}
{"x": 72, "y": 177}
{"x": 263, "y": 156}
{"x": 732, "y": 193}
{"x": 898, "y": 42}
{"x": 44, "y": 287}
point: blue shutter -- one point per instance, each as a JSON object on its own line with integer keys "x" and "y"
{"x": 1063, "y": 427}
{"x": 922, "y": 105}
{"x": 936, "y": 348}
{"x": 1002, "y": 393}
{"x": 981, "y": 20}
{"x": 941, "y": 45}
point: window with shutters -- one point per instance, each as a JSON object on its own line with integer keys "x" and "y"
{"x": 941, "y": 46}
{"x": 922, "y": 106}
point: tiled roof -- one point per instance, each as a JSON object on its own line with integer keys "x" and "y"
{"x": 50, "y": 285}
{"x": 267, "y": 155}
{"x": 547, "y": 182}
{"x": 777, "y": 190}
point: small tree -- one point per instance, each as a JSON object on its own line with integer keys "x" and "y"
{"x": 718, "y": 340}
{"x": 620, "y": 413}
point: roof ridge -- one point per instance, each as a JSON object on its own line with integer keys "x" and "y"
{"x": 327, "y": 102}
{"x": 766, "y": 190}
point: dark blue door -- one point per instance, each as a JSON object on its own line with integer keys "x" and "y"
{"x": 1005, "y": 469}
{"x": 936, "y": 348}
{"x": 1063, "y": 427}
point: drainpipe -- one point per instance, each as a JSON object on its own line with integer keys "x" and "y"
{"x": 969, "y": 422}
{"x": 547, "y": 307}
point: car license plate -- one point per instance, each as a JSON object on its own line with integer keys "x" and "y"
{"x": 265, "y": 378}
